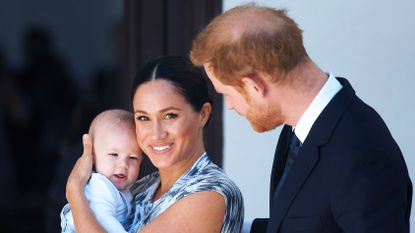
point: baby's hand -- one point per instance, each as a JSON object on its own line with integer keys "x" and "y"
{"x": 82, "y": 170}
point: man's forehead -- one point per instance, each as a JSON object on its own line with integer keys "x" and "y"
{"x": 208, "y": 68}
{"x": 216, "y": 83}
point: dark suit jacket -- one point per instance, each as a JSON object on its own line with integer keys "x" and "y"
{"x": 349, "y": 176}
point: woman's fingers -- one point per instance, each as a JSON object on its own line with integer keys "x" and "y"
{"x": 83, "y": 166}
{"x": 82, "y": 170}
{"x": 86, "y": 140}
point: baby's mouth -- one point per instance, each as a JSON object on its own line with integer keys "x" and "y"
{"x": 120, "y": 176}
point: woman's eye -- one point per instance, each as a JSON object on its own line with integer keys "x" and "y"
{"x": 141, "y": 118}
{"x": 170, "y": 116}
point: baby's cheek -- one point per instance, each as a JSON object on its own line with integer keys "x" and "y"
{"x": 136, "y": 169}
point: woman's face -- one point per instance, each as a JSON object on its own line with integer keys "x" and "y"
{"x": 168, "y": 130}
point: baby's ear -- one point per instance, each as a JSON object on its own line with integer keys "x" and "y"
{"x": 93, "y": 162}
{"x": 93, "y": 157}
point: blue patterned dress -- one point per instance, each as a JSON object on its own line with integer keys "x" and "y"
{"x": 204, "y": 175}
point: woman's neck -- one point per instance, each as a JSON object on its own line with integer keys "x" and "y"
{"x": 168, "y": 177}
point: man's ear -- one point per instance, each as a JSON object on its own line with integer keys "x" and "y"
{"x": 254, "y": 85}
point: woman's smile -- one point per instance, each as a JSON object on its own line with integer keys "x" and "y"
{"x": 162, "y": 149}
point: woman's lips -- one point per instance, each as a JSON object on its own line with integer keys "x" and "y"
{"x": 161, "y": 148}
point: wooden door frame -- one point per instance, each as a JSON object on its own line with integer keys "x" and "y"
{"x": 160, "y": 27}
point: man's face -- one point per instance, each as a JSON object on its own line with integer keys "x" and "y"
{"x": 233, "y": 98}
{"x": 259, "y": 114}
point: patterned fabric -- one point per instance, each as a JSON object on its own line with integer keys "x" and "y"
{"x": 204, "y": 175}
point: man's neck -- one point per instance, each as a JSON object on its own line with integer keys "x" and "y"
{"x": 307, "y": 81}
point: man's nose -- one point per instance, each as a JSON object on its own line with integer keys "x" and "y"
{"x": 228, "y": 103}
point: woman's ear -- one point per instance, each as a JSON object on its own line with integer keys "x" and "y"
{"x": 205, "y": 113}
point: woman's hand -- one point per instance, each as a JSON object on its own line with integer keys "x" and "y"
{"x": 84, "y": 219}
{"x": 82, "y": 170}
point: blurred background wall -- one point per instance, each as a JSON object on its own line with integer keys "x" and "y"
{"x": 81, "y": 31}
{"x": 54, "y": 56}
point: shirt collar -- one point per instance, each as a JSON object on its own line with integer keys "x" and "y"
{"x": 327, "y": 92}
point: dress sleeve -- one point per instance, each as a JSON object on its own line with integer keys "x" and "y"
{"x": 218, "y": 182}
{"x": 103, "y": 199}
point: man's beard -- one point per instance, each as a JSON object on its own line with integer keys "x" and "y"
{"x": 263, "y": 118}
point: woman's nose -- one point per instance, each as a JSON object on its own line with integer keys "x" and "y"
{"x": 158, "y": 131}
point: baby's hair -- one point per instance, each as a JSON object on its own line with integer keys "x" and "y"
{"x": 112, "y": 117}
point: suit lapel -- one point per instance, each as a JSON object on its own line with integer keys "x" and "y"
{"x": 304, "y": 164}
{"x": 308, "y": 156}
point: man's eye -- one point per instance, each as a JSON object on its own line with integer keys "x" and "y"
{"x": 170, "y": 116}
{"x": 142, "y": 118}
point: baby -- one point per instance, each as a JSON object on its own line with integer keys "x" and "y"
{"x": 117, "y": 160}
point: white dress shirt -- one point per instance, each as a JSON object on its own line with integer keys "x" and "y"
{"x": 322, "y": 99}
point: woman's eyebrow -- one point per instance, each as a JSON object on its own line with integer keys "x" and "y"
{"x": 161, "y": 110}
{"x": 169, "y": 109}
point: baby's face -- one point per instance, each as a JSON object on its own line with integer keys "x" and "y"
{"x": 117, "y": 155}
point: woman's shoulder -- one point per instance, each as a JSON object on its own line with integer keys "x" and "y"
{"x": 209, "y": 177}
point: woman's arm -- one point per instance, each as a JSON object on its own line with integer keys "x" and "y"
{"x": 83, "y": 216}
{"x": 199, "y": 212}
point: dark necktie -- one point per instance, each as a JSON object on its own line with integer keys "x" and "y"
{"x": 295, "y": 146}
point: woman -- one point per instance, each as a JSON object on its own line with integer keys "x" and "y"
{"x": 188, "y": 193}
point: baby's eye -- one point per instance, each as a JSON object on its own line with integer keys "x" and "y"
{"x": 113, "y": 154}
{"x": 142, "y": 118}
{"x": 133, "y": 158}
{"x": 169, "y": 116}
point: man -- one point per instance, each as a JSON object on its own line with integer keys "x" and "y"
{"x": 336, "y": 167}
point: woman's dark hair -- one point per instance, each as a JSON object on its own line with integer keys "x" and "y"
{"x": 190, "y": 81}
